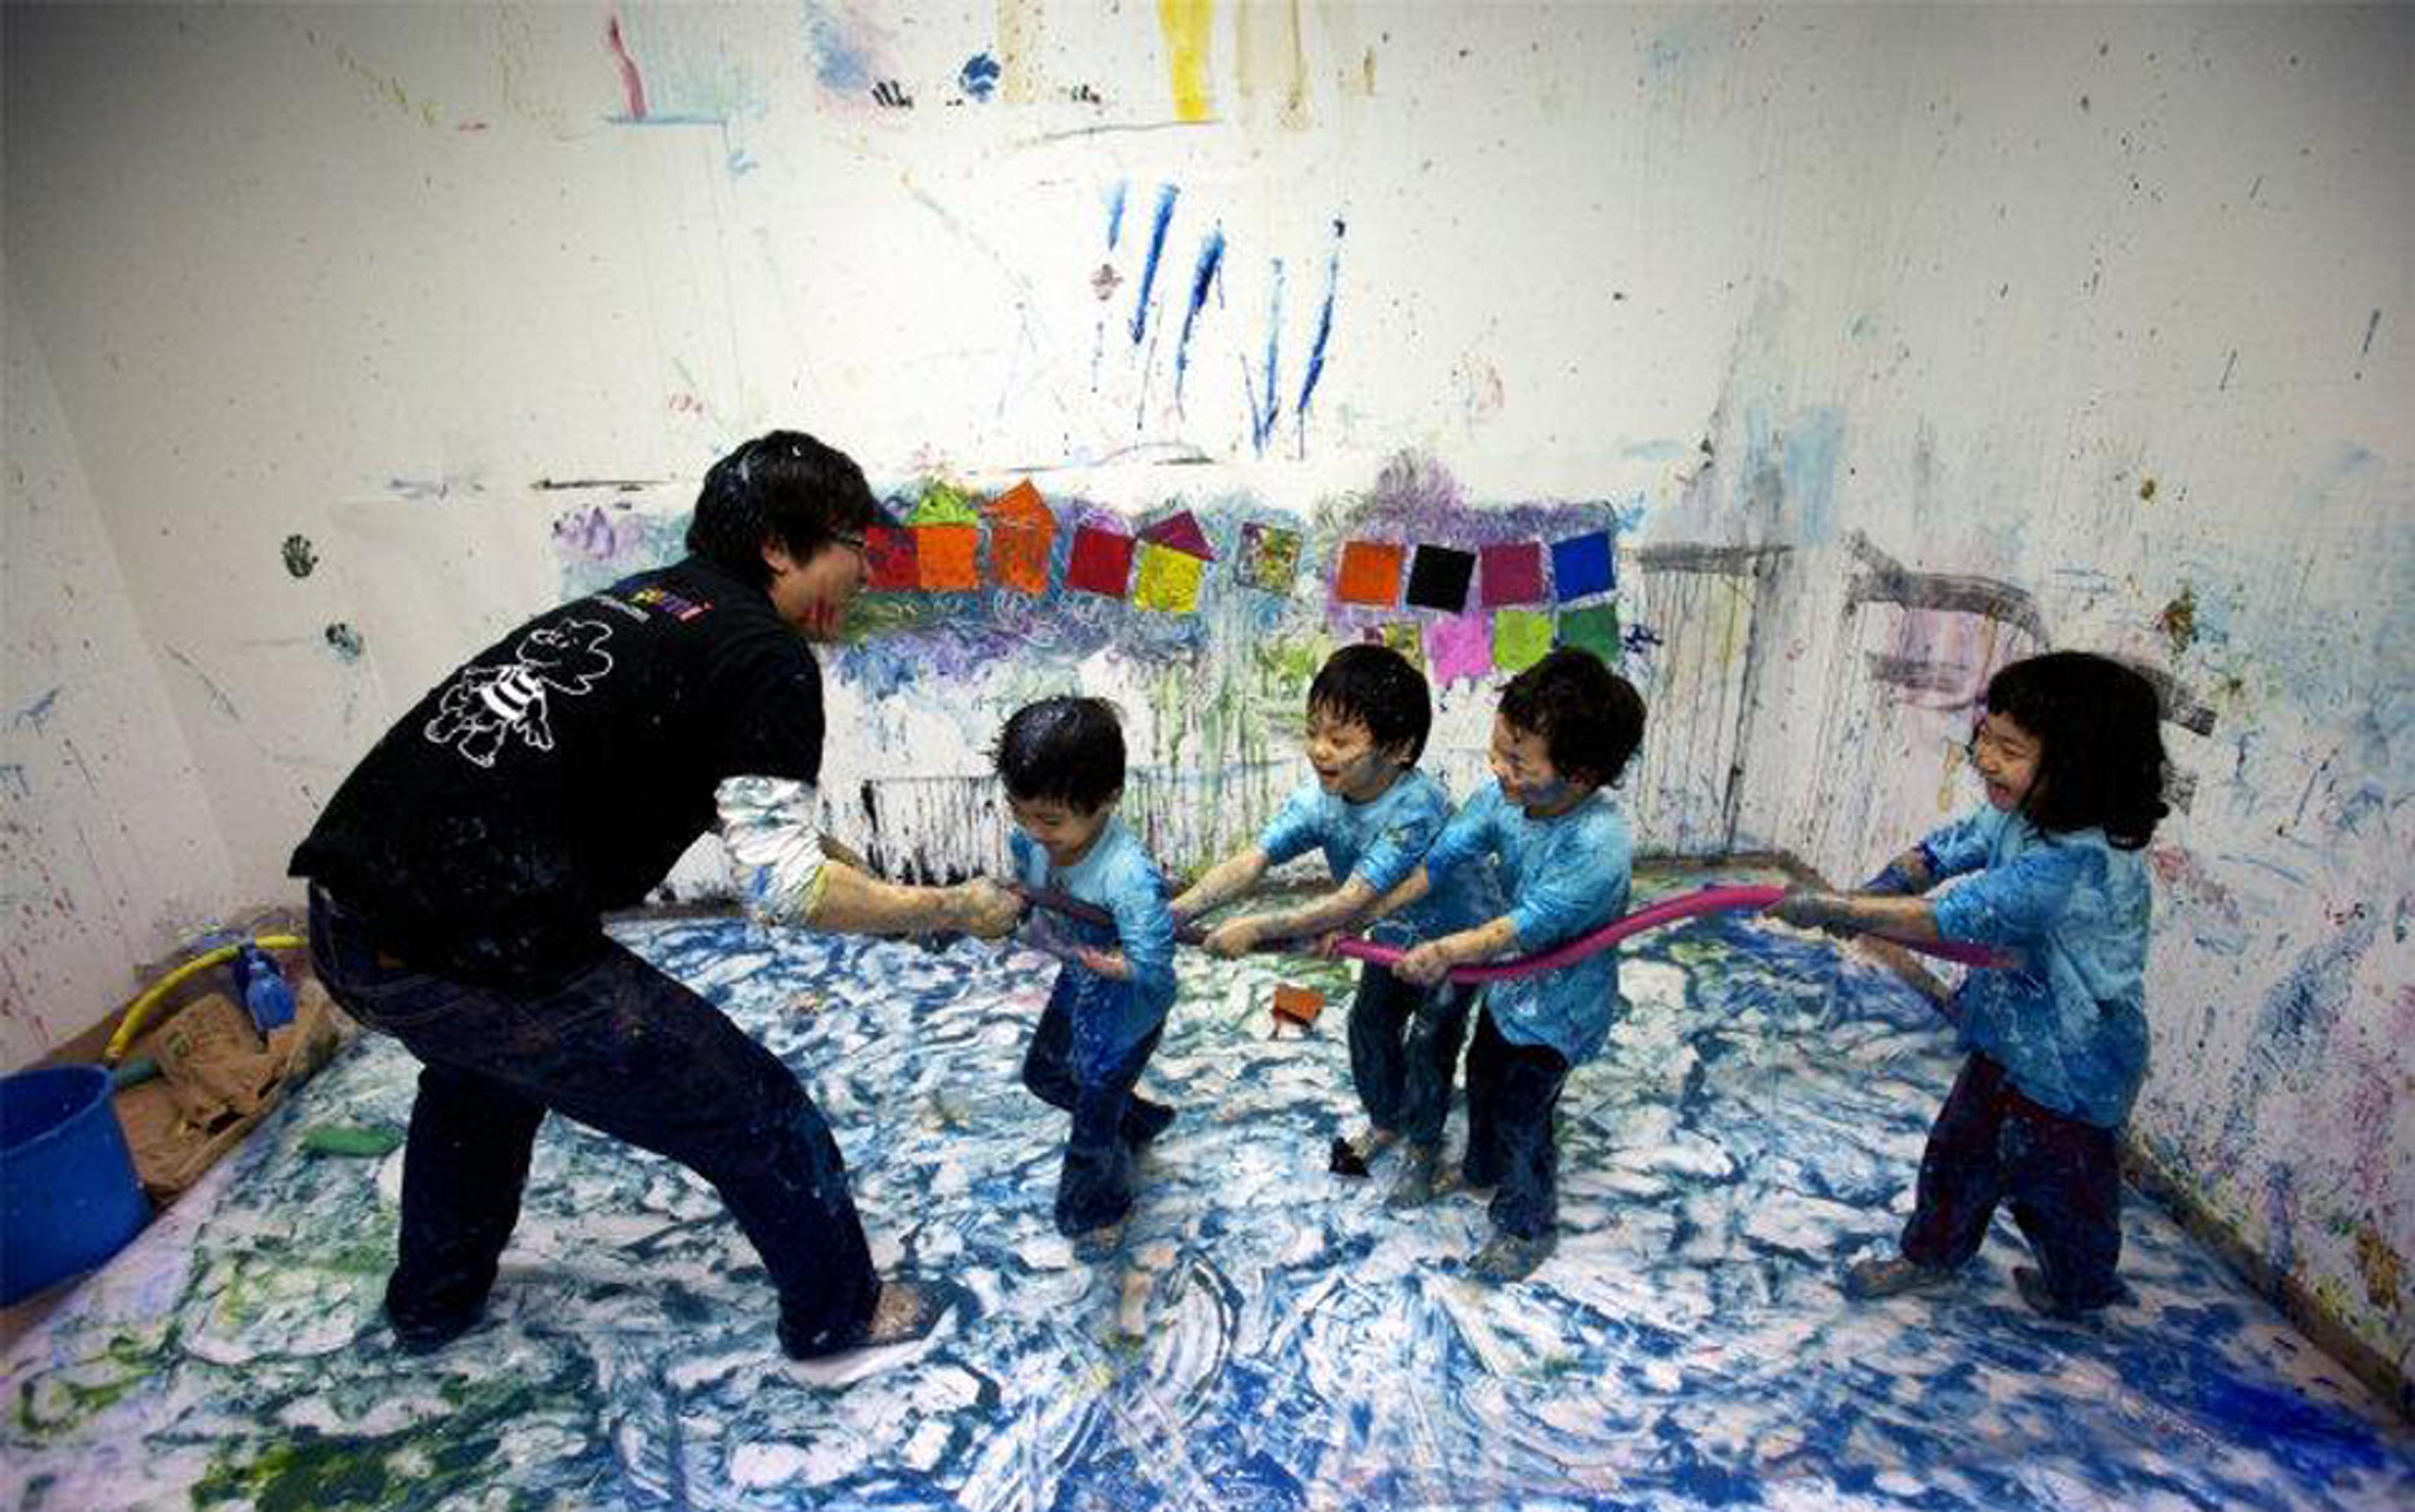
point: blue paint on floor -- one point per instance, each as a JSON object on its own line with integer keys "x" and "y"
{"x": 1271, "y": 1337}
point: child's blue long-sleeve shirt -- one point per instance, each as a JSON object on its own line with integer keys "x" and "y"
{"x": 1566, "y": 875}
{"x": 1116, "y": 874}
{"x": 1381, "y": 842}
{"x": 2068, "y": 1021}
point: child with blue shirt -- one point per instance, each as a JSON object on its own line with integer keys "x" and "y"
{"x": 1062, "y": 763}
{"x": 1564, "y": 731}
{"x": 1373, "y": 814}
{"x": 2071, "y": 750}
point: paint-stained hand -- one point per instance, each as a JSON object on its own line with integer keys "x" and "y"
{"x": 1110, "y": 964}
{"x": 983, "y": 910}
{"x": 1232, "y": 937}
{"x": 1423, "y": 967}
{"x": 1810, "y": 909}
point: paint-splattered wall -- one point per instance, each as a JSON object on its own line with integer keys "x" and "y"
{"x": 1813, "y": 361}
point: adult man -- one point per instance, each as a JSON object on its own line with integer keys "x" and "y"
{"x": 459, "y": 873}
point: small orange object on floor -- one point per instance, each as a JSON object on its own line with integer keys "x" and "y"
{"x": 1298, "y": 1005}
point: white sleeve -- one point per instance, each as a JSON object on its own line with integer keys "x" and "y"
{"x": 775, "y": 843}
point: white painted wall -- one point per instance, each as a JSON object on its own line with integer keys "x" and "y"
{"x": 1943, "y": 289}
{"x": 110, "y": 850}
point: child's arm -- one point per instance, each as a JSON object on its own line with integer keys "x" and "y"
{"x": 1337, "y": 909}
{"x": 1430, "y": 962}
{"x": 1227, "y": 879}
{"x": 1858, "y": 913}
{"x": 2005, "y": 905}
{"x": 1144, "y": 954}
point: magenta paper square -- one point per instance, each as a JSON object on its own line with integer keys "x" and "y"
{"x": 1511, "y": 572}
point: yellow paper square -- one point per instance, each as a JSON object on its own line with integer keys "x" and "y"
{"x": 1169, "y": 580}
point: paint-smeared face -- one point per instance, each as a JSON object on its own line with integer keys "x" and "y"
{"x": 1522, "y": 760}
{"x": 2006, "y": 756}
{"x": 1064, "y": 832}
{"x": 813, "y": 595}
{"x": 1346, "y": 758}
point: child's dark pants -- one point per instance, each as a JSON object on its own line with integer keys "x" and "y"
{"x": 1513, "y": 1094}
{"x": 2062, "y": 1175}
{"x": 1094, "y": 1187}
{"x": 1404, "y": 1044}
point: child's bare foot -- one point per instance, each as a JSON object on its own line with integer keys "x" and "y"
{"x": 1508, "y": 1258}
{"x": 1867, "y": 1280}
{"x": 1094, "y": 1245}
{"x": 908, "y": 1308}
{"x": 1420, "y": 1182}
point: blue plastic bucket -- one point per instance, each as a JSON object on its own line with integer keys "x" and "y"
{"x": 68, "y": 1197}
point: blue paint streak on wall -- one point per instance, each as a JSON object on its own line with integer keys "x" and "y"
{"x": 1265, "y": 407}
{"x": 839, "y": 63}
{"x": 1211, "y": 257}
{"x": 1115, "y": 213}
{"x": 2298, "y": 1016}
{"x": 1165, "y": 198}
{"x": 1323, "y": 325}
{"x": 1811, "y": 443}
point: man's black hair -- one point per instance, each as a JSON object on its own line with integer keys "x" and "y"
{"x": 1590, "y": 718}
{"x": 1375, "y": 686}
{"x": 2099, "y": 729}
{"x": 783, "y": 486}
{"x": 1069, "y": 751}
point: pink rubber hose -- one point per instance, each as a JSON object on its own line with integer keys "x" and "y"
{"x": 1667, "y": 911}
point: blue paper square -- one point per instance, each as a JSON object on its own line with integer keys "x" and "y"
{"x": 1582, "y": 566}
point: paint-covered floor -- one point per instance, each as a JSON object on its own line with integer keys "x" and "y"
{"x": 1273, "y": 1337}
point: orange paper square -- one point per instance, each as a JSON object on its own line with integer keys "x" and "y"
{"x": 947, "y": 557}
{"x": 1369, "y": 573}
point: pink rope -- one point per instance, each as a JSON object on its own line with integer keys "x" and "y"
{"x": 1667, "y": 911}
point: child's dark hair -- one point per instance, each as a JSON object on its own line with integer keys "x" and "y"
{"x": 1375, "y": 686}
{"x": 2099, "y": 727}
{"x": 783, "y": 486}
{"x": 1590, "y": 718}
{"x": 1069, "y": 751}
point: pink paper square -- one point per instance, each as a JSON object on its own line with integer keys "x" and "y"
{"x": 1459, "y": 647}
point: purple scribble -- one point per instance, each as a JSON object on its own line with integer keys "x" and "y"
{"x": 1211, "y": 257}
{"x": 1165, "y": 198}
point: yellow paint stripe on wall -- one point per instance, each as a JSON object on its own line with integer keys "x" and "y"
{"x": 1186, "y": 23}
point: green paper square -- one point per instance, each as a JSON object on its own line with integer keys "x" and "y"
{"x": 1521, "y": 637}
{"x": 1593, "y": 628}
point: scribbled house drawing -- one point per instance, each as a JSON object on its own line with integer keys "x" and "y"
{"x": 1102, "y": 560}
{"x": 1022, "y": 531}
{"x": 1174, "y": 556}
{"x": 947, "y": 541}
{"x": 888, "y": 560}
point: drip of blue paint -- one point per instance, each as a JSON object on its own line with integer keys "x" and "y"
{"x": 1263, "y": 414}
{"x": 1211, "y": 256}
{"x": 1324, "y": 328}
{"x": 1165, "y": 198}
